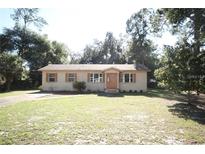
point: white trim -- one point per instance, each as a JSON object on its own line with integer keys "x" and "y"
{"x": 93, "y": 78}
{"x": 123, "y": 77}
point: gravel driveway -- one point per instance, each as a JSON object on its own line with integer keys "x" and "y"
{"x": 24, "y": 97}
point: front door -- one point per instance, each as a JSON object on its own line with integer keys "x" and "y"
{"x": 111, "y": 81}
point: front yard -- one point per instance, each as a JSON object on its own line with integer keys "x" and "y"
{"x": 156, "y": 117}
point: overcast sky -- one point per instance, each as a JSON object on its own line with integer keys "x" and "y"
{"x": 79, "y": 23}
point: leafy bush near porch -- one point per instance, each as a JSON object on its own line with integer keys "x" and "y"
{"x": 79, "y": 86}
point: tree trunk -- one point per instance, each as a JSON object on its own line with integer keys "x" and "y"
{"x": 189, "y": 91}
{"x": 8, "y": 85}
{"x": 197, "y": 27}
{"x": 197, "y": 44}
{"x": 198, "y": 87}
{"x": 189, "y": 96}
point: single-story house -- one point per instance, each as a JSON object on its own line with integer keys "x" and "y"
{"x": 98, "y": 77}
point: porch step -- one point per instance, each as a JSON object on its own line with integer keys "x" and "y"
{"x": 111, "y": 90}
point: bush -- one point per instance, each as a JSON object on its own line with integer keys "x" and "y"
{"x": 22, "y": 85}
{"x": 152, "y": 84}
{"x": 40, "y": 88}
{"x": 79, "y": 86}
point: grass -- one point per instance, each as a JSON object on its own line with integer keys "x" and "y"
{"x": 151, "y": 118}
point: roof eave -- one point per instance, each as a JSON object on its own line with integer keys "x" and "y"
{"x": 103, "y": 70}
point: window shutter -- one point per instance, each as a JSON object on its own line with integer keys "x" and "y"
{"x": 134, "y": 77}
{"x": 46, "y": 77}
{"x": 75, "y": 76}
{"x": 121, "y": 77}
{"x": 88, "y": 77}
{"x": 66, "y": 77}
{"x": 56, "y": 76}
{"x": 103, "y": 77}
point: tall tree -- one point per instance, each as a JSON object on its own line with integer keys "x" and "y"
{"x": 189, "y": 25}
{"x": 23, "y": 18}
{"x": 108, "y": 51}
{"x": 28, "y": 16}
{"x": 74, "y": 58}
{"x": 15, "y": 40}
{"x": 42, "y": 52}
{"x": 111, "y": 49}
{"x": 34, "y": 49}
{"x": 39, "y": 51}
{"x": 92, "y": 54}
{"x": 142, "y": 49}
{"x": 10, "y": 68}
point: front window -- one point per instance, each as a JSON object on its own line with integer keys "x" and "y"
{"x": 96, "y": 77}
{"x": 101, "y": 78}
{"x": 129, "y": 78}
{"x": 91, "y": 78}
{"x": 71, "y": 77}
{"x": 52, "y": 77}
{"x": 126, "y": 78}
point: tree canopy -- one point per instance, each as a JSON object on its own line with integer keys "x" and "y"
{"x": 33, "y": 49}
{"x": 180, "y": 67}
{"x": 10, "y": 68}
{"x": 187, "y": 58}
{"x": 108, "y": 51}
{"x": 26, "y": 16}
{"x": 141, "y": 48}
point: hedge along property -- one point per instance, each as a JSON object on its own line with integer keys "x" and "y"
{"x": 98, "y": 77}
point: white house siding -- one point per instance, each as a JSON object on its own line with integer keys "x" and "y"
{"x": 62, "y": 85}
{"x": 140, "y": 84}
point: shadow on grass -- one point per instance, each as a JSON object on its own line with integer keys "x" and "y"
{"x": 194, "y": 110}
{"x": 103, "y": 94}
{"x": 150, "y": 93}
{"x": 188, "y": 111}
{"x": 110, "y": 94}
{"x": 166, "y": 94}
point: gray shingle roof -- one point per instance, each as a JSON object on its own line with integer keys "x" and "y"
{"x": 90, "y": 67}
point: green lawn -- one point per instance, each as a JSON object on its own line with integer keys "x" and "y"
{"x": 150, "y": 118}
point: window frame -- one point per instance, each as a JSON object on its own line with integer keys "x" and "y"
{"x": 68, "y": 77}
{"x": 96, "y": 79}
{"x": 93, "y": 79}
{"x": 100, "y": 77}
{"x": 50, "y": 77}
{"x": 131, "y": 77}
{"x": 124, "y": 80}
